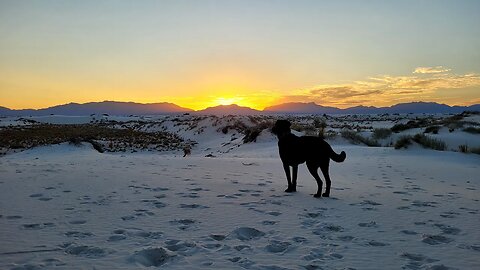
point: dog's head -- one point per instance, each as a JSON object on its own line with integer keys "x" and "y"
{"x": 281, "y": 128}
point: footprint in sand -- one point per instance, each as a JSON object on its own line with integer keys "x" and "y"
{"x": 277, "y": 246}
{"x": 327, "y": 229}
{"x": 449, "y": 214}
{"x": 416, "y": 261}
{"x": 424, "y": 204}
{"x": 152, "y": 256}
{"x": 185, "y": 248}
{"x": 243, "y": 262}
{"x": 448, "y": 229}
{"x": 246, "y": 234}
{"x": 435, "y": 239}
{"x": 184, "y": 224}
{"x": 91, "y": 252}
{"x": 193, "y": 206}
{"x": 13, "y": 217}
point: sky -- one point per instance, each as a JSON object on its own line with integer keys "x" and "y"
{"x": 201, "y": 53}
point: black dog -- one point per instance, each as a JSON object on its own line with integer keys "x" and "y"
{"x": 296, "y": 150}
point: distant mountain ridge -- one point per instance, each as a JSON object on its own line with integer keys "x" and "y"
{"x": 104, "y": 107}
{"x": 412, "y": 107}
{"x": 132, "y": 108}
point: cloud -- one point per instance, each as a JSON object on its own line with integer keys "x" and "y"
{"x": 385, "y": 89}
{"x": 430, "y": 70}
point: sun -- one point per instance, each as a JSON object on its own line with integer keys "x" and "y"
{"x": 227, "y": 100}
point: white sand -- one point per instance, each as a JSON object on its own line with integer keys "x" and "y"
{"x": 63, "y": 207}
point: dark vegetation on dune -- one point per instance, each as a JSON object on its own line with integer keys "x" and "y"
{"x": 101, "y": 136}
{"x": 423, "y": 140}
{"x": 432, "y": 125}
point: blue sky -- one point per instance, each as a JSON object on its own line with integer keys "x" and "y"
{"x": 255, "y": 52}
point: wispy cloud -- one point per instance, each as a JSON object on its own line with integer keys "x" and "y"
{"x": 387, "y": 88}
{"x": 430, "y": 70}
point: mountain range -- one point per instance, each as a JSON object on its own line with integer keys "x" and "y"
{"x": 131, "y": 108}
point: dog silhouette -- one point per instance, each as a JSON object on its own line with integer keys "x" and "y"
{"x": 295, "y": 150}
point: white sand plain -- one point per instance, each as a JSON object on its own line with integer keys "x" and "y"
{"x": 67, "y": 207}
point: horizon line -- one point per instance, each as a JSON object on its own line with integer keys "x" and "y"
{"x": 225, "y": 105}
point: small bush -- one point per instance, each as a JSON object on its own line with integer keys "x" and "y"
{"x": 463, "y": 148}
{"x": 356, "y": 138}
{"x": 472, "y": 130}
{"x": 403, "y": 142}
{"x": 329, "y": 134}
{"x": 410, "y": 124}
{"x": 432, "y": 129}
{"x": 381, "y": 133}
{"x": 252, "y": 133}
{"x": 428, "y": 142}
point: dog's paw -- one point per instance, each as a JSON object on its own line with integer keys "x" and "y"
{"x": 290, "y": 190}
{"x": 318, "y": 195}
{"x": 326, "y": 194}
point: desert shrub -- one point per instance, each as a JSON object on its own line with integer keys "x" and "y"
{"x": 411, "y": 124}
{"x": 432, "y": 129}
{"x": 320, "y": 124}
{"x": 403, "y": 142}
{"x": 115, "y": 139}
{"x": 330, "y": 134}
{"x": 463, "y": 148}
{"x": 381, "y": 133}
{"x": 356, "y": 138}
{"x": 473, "y": 130}
{"x": 252, "y": 133}
{"x": 428, "y": 142}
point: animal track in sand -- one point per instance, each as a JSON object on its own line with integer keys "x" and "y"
{"x": 91, "y": 252}
{"x": 246, "y": 233}
{"x": 185, "y": 248}
{"x": 277, "y": 246}
{"x": 152, "y": 256}
{"x": 416, "y": 261}
{"x": 448, "y": 229}
{"x": 435, "y": 239}
{"x": 184, "y": 224}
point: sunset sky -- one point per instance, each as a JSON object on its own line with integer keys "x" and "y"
{"x": 202, "y": 53}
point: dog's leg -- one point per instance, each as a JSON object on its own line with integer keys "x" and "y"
{"x": 312, "y": 168}
{"x": 324, "y": 168}
{"x": 289, "y": 179}
{"x": 294, "y": 177}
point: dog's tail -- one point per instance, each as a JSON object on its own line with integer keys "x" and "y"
{"x": 336, "y": 157}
